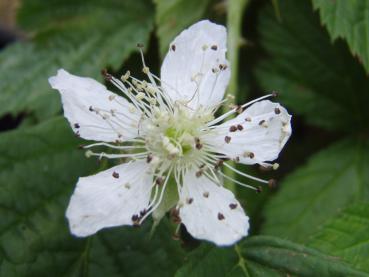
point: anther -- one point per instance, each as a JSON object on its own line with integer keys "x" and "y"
{"x": 125, "y": 77}
{"x": 239, "y": 127}
{"x": 88, "y": 153}
{"x": 199, "y": 173}
{"x": 106, "y": 75}
{"x": 248, "y": 119}
{"x": 139, "y": 45}
{"x": 239, "y": 109}
{"x": 272, "y": 183}
{"x": 227, "y": 139}
{"x": 146, "y": 70}
{"x": 198, "y": 146}
{"x": 274, "y": 94}
{"x": 206, "y": 194}
{"x": 174, "y": 215}
{"x": 233, "y": 128}
{"x": 223, "y": 66}
{"x": 159, "y": 181}
{"x": 259, "y": 189}
{"x": 221, "y": 216}
{"x": 149, "y": 158}
{"x": 143, "y": 212}
{"x": 173, "y": 47}
{"x": 115, "y": 175}
{"x": 233, "y": 206}
{"x": 189, "y": 201}
{"x": 76, "y": 125}
{"x": 215, "y": 70}
{"x": 277, "y": 111}
{"x": 214, "y": 47}
{"x": 218, "y": 164}
{"x": 135, "y": 220}
{"x": 111, "y": 97}
{"x": 275, "y": 166}
{"x": 91, "y": 109}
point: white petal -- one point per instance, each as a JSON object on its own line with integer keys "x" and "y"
{"x": 187, "y": 70}
{"x": 211, "y": 212}
{"x": 103, "y": 200}
{"x": 94, "y": 112}
{"x": 260, "y": 140}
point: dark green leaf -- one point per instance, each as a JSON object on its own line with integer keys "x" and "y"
{"x": 347, "y": 236}
{"x": 81, "y": 36}
{"x": 39, "y": 169}
{"x": 314, "y": 78}
{"x": 330, "y": 181}
{"x": 348, "y": 20}
{"x": 172, "y": 16}
{"x": 264, "y": 256}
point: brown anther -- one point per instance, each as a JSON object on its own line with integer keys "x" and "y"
{"x": 174, "y": 215}
{"x": 143, "y": 212}
{"x": 239, "y": 127}
{"x": 149, "y": 158}
{"x": 176, "y": 236}
{"x": 223, "y": 66}
{"x": 76, "y": 125}
{"x": 214, "y": 70}
{"x": 251, "y": 155}
{"x": 259, "y": 189}
{"x": 199, "y": 173}
{"x": 115, "y": 175}
{"x": 173, "y": 47}
{"x": 233, "y": 128}
{"x": 189, "y": 201}
{"x": 198, "y": 146}
{"x": 272, "y": 183}
{"x": 277, "y": 111}
{"x": 91, "y": 109}
{"x": 135, "y": 219}
{"x": 77, "y": 134}
{"x": 236, "y": 159}
{"x": 239, "y": 109}
{"x": 159, "y": 181}
{"x": 197, "y": 140}
{"x": 233, "y": 206}
{"x": 221, "y": 216}
{"x": 106, "y": 75}
{"x": 214, "y": 47}
{"x": 139, "y": 45}
{"x": 206, "y": 194}
{"x": 202, "y": 166}
{"x": 81, "y": 146}
{"x": 227, "y": 139}
{"x": 274, "y": 94}
{"x": 261, "y": 122}
{"x": 248, "y": 119}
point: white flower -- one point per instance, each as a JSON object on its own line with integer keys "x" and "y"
{"x": 166, "y": 127}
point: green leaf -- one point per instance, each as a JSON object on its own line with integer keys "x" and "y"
{"x": 331, "y": 180}
{"x": 264, "y": 256}
{"x": 172, "y": 16}
{"x": 348, "y": 20}
{"x": 81, "y": 36}
{"x": 313, "y": 77}
{"x": 39, "y": 169}
{"x": 347, "y": 236}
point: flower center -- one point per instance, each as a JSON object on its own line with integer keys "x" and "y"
{"x": 175, "y": 135}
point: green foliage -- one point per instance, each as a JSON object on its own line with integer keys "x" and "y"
{"x": 348, "y": 20}
{"x": 317, "y": 220}
{"x": 172, "y": 16}
{"x": 80, "y": 36}
{"x": 37, "y": 179}
{"x": 315, "y": 78}
{"x": 336, "y": 175}
{"x": 264, "y": 256}
{"x": 347, "y": 236}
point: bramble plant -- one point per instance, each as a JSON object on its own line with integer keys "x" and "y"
{"x": 180, "y": 171}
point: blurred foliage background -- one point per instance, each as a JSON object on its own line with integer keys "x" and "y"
{"x": 315, "y": 53}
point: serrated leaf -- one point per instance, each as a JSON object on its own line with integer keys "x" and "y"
{"x": 39, "y": 169}
{"x": 80, "y": 36}
{"x": 264, "y": 256}
{"x": 331, "y": 180}
{"x": 172, "y": 16}
{"x": 347, "y": 236}
{"x": 314, "y": 77}
{"x": 348, "y": 20}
